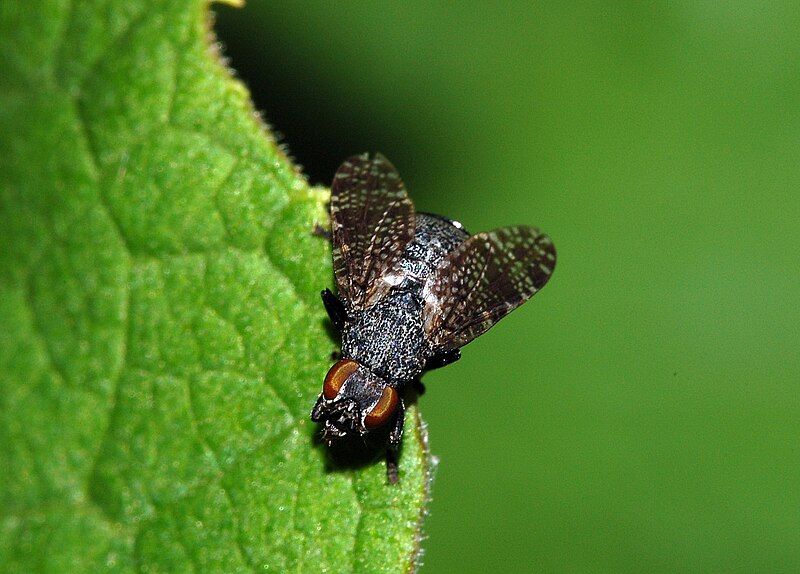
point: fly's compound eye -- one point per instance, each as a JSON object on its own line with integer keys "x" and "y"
{"x": 336, "y": 377}
{"x": 382, "y": 412}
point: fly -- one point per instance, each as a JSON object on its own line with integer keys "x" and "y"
{"x": 413, "y": 288}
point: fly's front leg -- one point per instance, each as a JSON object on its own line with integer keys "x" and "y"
{"x": 393, "y": 448}
{"x": 319, "y": 231}
{"x": 335, "y": 309}
{"x": 316, "y": 412}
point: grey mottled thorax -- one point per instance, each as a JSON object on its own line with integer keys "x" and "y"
{"x": 388, "y": 338}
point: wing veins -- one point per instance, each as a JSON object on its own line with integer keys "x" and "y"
{"x": 464, "y": 301}
{"x": 384, "y": 215}
{"x": 373, "y": 221}
{"x": 508, "y": 276}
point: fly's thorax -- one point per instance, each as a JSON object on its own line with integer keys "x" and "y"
{"x": 389, "y": 337}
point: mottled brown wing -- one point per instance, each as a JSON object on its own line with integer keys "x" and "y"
{"x": 372, "y": 221}
{"x": 482, "y": 281}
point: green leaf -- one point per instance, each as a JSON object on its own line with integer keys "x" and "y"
{"x": 161, "y": 337}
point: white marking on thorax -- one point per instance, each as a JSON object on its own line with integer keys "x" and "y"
{"x": 395, "y": 278}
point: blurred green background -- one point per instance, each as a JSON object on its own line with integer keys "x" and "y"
{"x": 642, "y": 413}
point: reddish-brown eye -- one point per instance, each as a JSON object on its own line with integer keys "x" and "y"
{"x": 336, "y": 377}
{"x": 383, "y": 411}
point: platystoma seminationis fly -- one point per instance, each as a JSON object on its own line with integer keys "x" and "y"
{"x": 413, "y": 288}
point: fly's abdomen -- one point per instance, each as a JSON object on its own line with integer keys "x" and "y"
{"x": 434, "y": 238}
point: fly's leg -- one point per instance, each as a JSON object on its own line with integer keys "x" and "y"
{"x": 442, "y": 359}
{"x": 319, "y": 231}
{"x": 393, "y": 448}
{"x": 392, "y": 471}
{"x": 316, "y": 412}
{"x": 418, "y": 386}
{"x": 335, "y": 309}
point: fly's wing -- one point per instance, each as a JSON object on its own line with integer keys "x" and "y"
{"x": 482, "y": 281}
{"x": 372, "y": 221}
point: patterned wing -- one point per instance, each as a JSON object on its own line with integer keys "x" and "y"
{"x": 482, "y": 281}
{"x": 372, "y": 220}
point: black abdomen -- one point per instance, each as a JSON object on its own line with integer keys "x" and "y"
{"x": 434, "y": 237}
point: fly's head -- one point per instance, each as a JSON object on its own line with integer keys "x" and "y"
{"x": 353, "y": 402}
